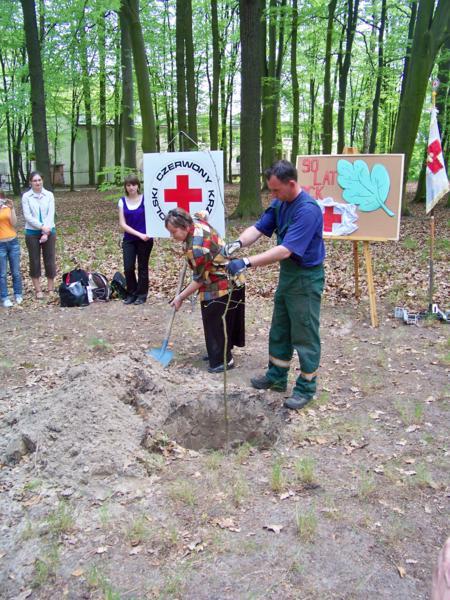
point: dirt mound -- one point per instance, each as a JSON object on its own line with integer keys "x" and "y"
{"x": 92, "y": 426}
{"x": 89, "y": 426}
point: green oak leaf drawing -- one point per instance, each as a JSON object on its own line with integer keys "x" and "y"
{"x": 367, "y": 189}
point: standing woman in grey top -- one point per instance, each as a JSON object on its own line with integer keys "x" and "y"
{"x": 38, "y": 206}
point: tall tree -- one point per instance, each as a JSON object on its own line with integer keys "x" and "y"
{"x": 431, "y": 29}
{"x": 344, "y": 64}
{"x": 379, "y": 83}
{"x": 327, "y": 113}
{"x": 38, "y": 112}
{"x": 214, "y": 107}
{"x": 127, "y": 119}
{"x": 251, "y": 62}
{"x": 102, "y": 95}
{"x": 131, "y": 12}
{"x": 181, "y": 69}
{"x": 272, "y": 66}
{"x": 186, "y": 87}
{"x": 86, "y": 81}
{"x": 295, "y": 86}
{"x": 191, "y": 87}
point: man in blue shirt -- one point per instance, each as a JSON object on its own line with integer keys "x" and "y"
{"x": 297, "y": 220}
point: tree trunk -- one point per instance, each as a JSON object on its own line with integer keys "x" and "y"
{"x": 117, "y": 112}
{"x": 295, "y": 86}
{"x": 75, "y": 117}
{"x": 102, "y": 97}
{"x": 380, "y": 75}
{"x": 87, "y": 106}
{"x": 352, "y": 18}
{"x": 327, "y": 113}
{"x": 127, "y": 120}
{"x": 214, "y": 107}
{"x": 442, "y": 107}
{"x": 142, "y": 77}
{"x": 168, "y": 76}
{"x": 429, "y": 35}
{"x": 251, "y": 62}
{"x": 191, "y": 87}
{"x": 37, "y": 93}
{"x": 412, "y": 24}
{"x": 181, "y": 71}
{"x": 271, "y": 83}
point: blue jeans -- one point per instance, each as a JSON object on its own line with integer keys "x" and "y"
{"x": 10, "y": 251}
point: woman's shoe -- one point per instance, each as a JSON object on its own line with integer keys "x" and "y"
{"x": 39, "y": 295}
{"x": 6, "y": 303}
{"x": 130, "y": 300}
{"x": 19, "y": 299}
{"x": 220, "y": 369}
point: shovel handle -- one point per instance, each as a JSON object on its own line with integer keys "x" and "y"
{"x": 172, "y": 317}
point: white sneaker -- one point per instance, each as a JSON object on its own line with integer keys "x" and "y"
{"x": 7, "y": 303}
{"x": 19, "y": 299}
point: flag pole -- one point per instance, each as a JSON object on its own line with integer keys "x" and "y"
{"x": 432, "y": 234}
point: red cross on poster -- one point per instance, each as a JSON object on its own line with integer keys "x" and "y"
{"x": 330, "y": 217}
{"x": 183, "y": 195}
{"x": 189, "y": 180}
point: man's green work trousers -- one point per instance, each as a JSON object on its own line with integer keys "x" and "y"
{"x": 295, "y": 325}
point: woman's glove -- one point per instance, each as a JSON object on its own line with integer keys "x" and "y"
{"x": 231, "y": 248}
{"x": 236, "y": 266}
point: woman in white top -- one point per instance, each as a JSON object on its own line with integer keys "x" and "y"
{"x": 38, "y": 205}
{"x": 136, "y": 244}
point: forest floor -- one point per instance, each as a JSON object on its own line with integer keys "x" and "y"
{"x": 114, "y": 479}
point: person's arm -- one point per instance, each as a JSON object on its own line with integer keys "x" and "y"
{"x": 270, "y": 256}
{"x": 28, "y": 215}
{"x": 49, "y": 219}
{"x": 249, "y": 236}
{"x": 129, "y": 229}
{"x": 13, "y": 218}
{"x": 188, "y": 291}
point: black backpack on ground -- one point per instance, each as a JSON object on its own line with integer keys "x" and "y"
{"x": 100, "y": 287}
{"x": 73, "y": 290}
{"x": 119, "y": 286}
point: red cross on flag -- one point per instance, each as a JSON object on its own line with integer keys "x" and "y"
{"x": 338, "y": 218}
{"x": 436, "y": 179}
{"x": 189, "y": 180}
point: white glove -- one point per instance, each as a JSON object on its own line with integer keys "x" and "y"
{"x": 230, "y": 248}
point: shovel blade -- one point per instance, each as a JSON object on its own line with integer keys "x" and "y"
{"x": 162, "y": 355}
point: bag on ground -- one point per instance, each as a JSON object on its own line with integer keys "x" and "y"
{"x": 99, "y": 286}
{"x": 73, "y": 290}
{"x": 119, "y": 286}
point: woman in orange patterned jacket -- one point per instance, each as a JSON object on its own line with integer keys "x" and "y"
{"x": 217, "y": 291}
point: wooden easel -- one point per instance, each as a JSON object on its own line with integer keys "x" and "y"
{"x": 368, "y": 260}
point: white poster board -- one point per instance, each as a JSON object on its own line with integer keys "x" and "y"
{"x": 189, "y": 180}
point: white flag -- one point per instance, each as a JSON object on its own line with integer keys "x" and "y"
{"x": 338, "y": 218}
{"x": 437, "y": 180}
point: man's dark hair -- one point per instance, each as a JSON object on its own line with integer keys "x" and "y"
{"x": 282, "y": 170}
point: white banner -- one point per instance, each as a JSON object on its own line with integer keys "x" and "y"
{"x": 338, "y": 218}
{"x": 189, "y": 180}
{"x": 436, "y": 176}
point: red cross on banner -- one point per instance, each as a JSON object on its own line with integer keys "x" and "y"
{"x": 434, "y": 164}
{"x": 182, "y": 195}
{"x": 330, "y": 217}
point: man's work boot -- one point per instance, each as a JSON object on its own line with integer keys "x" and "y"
{"x": 264, "y": 383}
{"x": 297, "y": 401}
